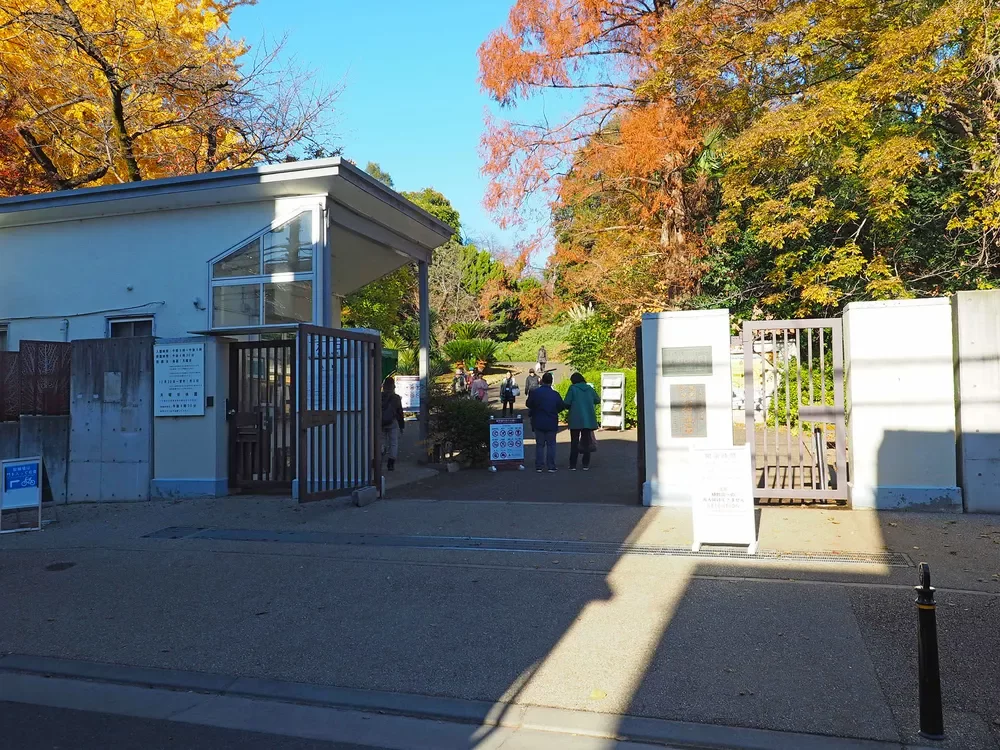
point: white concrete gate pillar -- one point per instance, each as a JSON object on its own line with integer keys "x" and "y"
{"x": 687, "y": 389}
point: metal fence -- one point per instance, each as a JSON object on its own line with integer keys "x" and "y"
{"x": 339, "y": 411}
{"x": 794, "y": 409}
{"x": 35, "y": 380}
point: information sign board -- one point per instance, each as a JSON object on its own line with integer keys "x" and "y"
{"x": 722, "y": 510}
{"x": 408, "y": 388}
{"x": 179, "y": 372}
{"x": 506, "y": 443}
{"x": 21, "y": 487}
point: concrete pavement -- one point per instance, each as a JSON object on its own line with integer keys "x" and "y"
{"x": 789, "y": 644}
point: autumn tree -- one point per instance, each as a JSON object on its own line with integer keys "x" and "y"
{"x": 861, "y": 150}
{"x": 124, "y": 90}
{"x": 617, "y": 173}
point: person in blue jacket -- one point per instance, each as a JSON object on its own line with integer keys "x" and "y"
{"x": 544, "y": 405}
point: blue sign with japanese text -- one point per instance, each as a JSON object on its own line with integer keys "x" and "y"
{"x": 18, "y": 476}
{"x": 21, "y": 484}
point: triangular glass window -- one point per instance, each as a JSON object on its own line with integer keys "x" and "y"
{"x": 289, "y": 248}
{"x": 243, "y": 262}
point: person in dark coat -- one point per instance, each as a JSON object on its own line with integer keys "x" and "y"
{"x": 544, "y": 405}
{"x": 393, "y": 421}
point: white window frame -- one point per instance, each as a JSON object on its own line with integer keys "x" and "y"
{"x": 5, "y": 329}
{"x": 112, "y": 319}
{"x": 315, "y": 206}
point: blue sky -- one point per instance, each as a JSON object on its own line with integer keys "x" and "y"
{"x": 411, "y": 100}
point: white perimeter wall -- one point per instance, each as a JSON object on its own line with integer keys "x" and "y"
{"x": 977, "y": 358}
{"x": 901, "y": 405}
{"x": 668, "y": 480}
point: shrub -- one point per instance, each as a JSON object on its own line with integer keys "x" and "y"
{"x": 464, "y": 423}
{"x": 484, "y": 350}
{"x": 473, "y": 330}
{"x": 587, "y": 341}
{"x": 594, "y": 376}
{"x": 782, "y": 411}
{"x": 471, "y": 351}
{"x": 409, "y": 363}
{"x": 525, "y": 349}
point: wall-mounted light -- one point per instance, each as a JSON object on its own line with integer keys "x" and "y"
{"x": 198, "y": 304}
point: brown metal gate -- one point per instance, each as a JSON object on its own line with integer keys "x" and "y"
{"x": 339, "y": 411}
{"x": 794, "y": 409}
{"x": 261, "y": 411}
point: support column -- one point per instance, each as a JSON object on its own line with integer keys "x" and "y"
{"x": 425, "y": 353}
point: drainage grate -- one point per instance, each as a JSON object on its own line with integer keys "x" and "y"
{"x": 500, "y": 544}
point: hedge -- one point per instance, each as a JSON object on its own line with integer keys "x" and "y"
{"x": 594, "y": 376}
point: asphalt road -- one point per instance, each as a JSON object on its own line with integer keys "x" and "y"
{"x": 44, "y": 728}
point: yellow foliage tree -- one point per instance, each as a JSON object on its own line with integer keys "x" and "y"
{"x": 124, "y": 90}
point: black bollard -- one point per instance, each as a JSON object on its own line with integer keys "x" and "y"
{"x": 931, "y": 718}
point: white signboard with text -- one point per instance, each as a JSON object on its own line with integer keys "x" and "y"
{"x": 179, "y": 372}
{"x": 408, "y": 388}
{"x": 722, "y": 510}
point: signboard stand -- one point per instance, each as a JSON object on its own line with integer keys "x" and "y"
{"x": 612, "y": 401}
{"x": 408, "y": 389}
{"x": 20, "y": 488}
{"x": 507, "y": 443}
{"x": 722, "y": 509}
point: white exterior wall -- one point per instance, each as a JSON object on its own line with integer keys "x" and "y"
{"x": 62, "y": 281}
{"x": 81, "y": 271}
{"x": 901, "y": 405}
{"x": 977, "y": 380}
{"x": 668, "y": 478}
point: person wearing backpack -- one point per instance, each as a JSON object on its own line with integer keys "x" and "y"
{"x": 508, "y": 392}
{"x": 581, "y": 398}
{"x": 459, "y": 384}
{"x": 393, "y": 422}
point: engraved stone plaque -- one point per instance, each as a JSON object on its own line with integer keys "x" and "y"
{"x": 688, "y": 411}
{"x": 684, "y": 361}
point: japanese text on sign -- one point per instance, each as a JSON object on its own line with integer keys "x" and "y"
{"x": 722, "y": 510}
{"x": 179, "y": 371}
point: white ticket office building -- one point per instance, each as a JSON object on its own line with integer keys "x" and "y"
{"x": 202, "y": 261}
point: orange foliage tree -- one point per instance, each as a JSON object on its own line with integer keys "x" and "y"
{"x": 617, "y": 171}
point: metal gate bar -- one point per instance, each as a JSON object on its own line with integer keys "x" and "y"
{"x": 262, "y": 416}
{"x": 791, "y": 463}
{"x": 339, "y": 411}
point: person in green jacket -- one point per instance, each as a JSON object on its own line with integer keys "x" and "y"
{"x": 581, "y": 400}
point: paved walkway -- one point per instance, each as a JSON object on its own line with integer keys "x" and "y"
{"x": 625, "y": 628}
{"x": 613, "y": 478}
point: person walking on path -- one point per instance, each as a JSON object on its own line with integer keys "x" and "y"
{"x": 392, "y": 421}
{"x": 581, "y": 398}
{"x": 508, "y": 392}
{"x": 543, "y": 359}
{"x": 531, "y": 382}
{"x": 479, "y": 387}
{"x": 544, "y": 405}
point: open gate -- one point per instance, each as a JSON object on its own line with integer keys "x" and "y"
{"x": 794, "y": 409}
{"x": 261, "y": 411}
{"x": 340, "y": 409}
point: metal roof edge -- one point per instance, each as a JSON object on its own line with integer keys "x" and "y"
{"x": 267, "y": 173}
